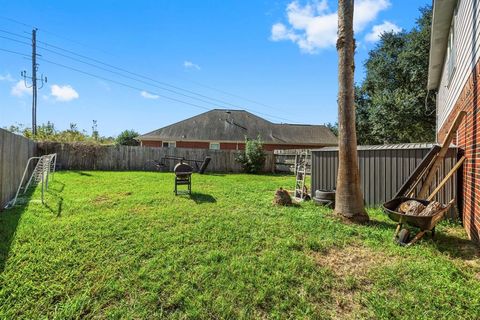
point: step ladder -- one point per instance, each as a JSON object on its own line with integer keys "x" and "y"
{"x": 43, "y": 171}
{"x": 302, "y": 164}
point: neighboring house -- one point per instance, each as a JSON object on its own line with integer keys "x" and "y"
{"x": 227, "y": 129}
{"x": 454, "y": 72}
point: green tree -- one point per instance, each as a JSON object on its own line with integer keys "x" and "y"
{"x": 252, "y": 158}
{"x": 333, "y": 127}
{"x": 393, "y": 104}
{"x": 127, "y": 138}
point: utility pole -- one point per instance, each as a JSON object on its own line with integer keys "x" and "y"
{"x": 34, "y": 80}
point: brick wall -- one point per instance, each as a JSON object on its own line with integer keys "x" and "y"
{"x": 193, "y": 144}
{"x": 229, "y": 145}
{"x": 232, "y": 146}
{"x": 468, "y": 139}
{"x": 146, "y": 143}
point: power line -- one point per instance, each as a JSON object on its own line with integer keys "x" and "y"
{"x": 189, "y": 80}
{"x": 126, "y": 71}
{"x": 153, "y": 85}
{"x": 15, "y": 34}
{"x": 15, "y": 40}
{"x": 122, "y": 83}
{"x": 16, "y": 21}
{"x": 54, "y": 34}
{"x": 16, "y": 52}
{"x": 146, "y": 77}
{"x": 129, "y": 86}
{"x": 142, "y": 76}
{"x": 122, "y": 75}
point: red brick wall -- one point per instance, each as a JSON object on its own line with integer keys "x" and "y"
{"x": 228, "y": 145}
{"x": 151, "y": 143}
{"x": 193, "y": 144}
{"x": 468, "y": 139}
{"x": 232, "y": 146}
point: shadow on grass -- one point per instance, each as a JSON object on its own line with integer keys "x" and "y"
{"x": 456, "y": 247}
{"x": 445, "y": 242}
{"x": 55, "y": 190}
{"x": 202, "y": 198}
{"x": 84, "y": 174}
{"x": 381, "y": 224}
{"x": 215, "y": 174}
{"x": 8, "y": 225}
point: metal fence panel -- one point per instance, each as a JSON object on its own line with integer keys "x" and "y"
{"x": 383, "y": 170}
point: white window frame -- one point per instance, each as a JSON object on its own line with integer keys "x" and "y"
{"x": 170, "y": 144}
{"x": 452, "y": 49}
{"x": 214, "y": 143}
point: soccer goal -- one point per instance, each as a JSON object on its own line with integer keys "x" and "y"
{"x": 42, "y": 173}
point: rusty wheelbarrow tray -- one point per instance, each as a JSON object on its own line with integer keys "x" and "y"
{"x": 424, "y": 223}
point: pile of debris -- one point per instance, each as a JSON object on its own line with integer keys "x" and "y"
{"x": 282, "y": 198}
{"x": 416, "y": 208}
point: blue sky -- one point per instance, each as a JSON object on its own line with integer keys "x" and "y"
{"x": 275, "y": 58}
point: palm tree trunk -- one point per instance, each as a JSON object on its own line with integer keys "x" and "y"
{"x": 349, "y": 199}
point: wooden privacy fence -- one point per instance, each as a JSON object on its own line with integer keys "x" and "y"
{"x": 383, "y": 170}
{"x": 73, "y": 156}
{"x": 285, "y": 160}
{"x": 14, "y": 153}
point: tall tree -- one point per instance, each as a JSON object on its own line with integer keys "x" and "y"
{"x": 393, "y": 104}
{"x": 349, "y": 199}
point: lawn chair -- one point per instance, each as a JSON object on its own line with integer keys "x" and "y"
{"x": 183, "y": 176}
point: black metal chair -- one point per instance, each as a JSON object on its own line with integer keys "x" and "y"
{"x": 183, "y": 176}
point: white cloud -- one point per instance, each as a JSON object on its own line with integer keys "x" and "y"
{"x": 379, "y": 29}
{"x": 7, "y": 77}
{"x": 63, "y": 93}
{"x": 148, "y": 95}
{"x": 313, "y": 26}
{"x": 19, "y": 89}
{"x": 191, "y": 65}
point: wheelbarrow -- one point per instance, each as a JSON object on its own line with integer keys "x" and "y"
{"x": 424, "y": 223}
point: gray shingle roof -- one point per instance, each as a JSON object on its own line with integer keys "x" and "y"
{"x": 235, "y": 125}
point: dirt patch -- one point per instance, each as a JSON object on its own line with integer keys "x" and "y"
{"x": 103, "y": 198}
{"x": 351, "y": 267}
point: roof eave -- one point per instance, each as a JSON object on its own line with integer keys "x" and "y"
{"x": 441, "y": 21}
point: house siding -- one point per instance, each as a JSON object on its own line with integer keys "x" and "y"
{"x": 467, "y": 44}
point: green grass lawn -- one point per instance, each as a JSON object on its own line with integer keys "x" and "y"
{"x": 121, "y": 245}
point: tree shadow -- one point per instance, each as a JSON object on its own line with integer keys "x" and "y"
{"x": 199, "y": 198}
{"x": 384, "y": 225}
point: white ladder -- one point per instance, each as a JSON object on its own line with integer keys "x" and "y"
{"x": 301, "y": 165}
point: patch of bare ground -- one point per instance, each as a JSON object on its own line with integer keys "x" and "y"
{"x": 101, "y": 199}
{"x": 107, "y": 199}
{"x": 351, "y": 267}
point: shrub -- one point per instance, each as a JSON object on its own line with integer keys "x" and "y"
{"x": 127, "y": 138}
{"x": 253, "y": 158}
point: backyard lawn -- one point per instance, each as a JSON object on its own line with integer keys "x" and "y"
{"x": 121, "y": 245}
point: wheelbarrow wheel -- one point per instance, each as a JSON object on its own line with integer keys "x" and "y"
{"x": 403, "y": 237}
